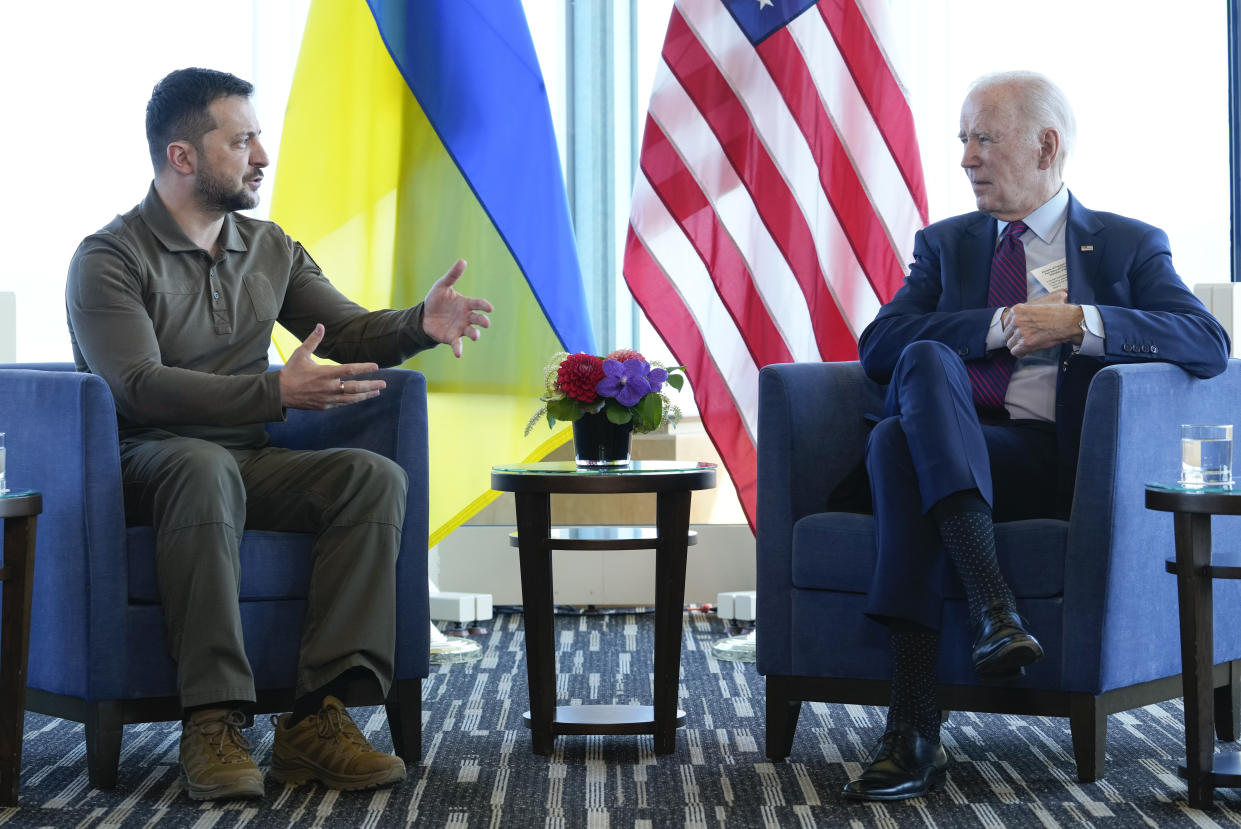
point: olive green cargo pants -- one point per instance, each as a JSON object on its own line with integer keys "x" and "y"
{"x": 200, "y": 496}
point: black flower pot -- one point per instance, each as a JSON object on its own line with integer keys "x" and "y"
{"x": 598, "y": 441}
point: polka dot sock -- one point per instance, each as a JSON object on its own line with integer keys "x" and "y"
{"x": 969, "y": 540}
{"x": 915, "y": 653}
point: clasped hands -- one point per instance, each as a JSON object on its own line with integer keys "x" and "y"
{"x": 447, "y": 316}
{"x": 1041, "y": 323}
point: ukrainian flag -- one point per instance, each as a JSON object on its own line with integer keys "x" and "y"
{"x": 418, "y": 132}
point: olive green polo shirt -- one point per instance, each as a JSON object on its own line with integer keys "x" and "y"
{"x": 182, "y": 340}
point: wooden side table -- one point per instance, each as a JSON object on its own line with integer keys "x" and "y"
{"x": 532, "y": 484}
{"x": 1195, "y": 571}
{"x": 19, "y": 511}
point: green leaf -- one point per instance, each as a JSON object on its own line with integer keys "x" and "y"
{"x": 676, "y": 381}
{"x": 565, "y": 409}
{"x": 647, "y": 413}
{"x": 617, "y": 413}
{"x": 650, "y": 408}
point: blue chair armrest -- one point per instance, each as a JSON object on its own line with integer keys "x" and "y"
{"x": 62, "y": 441}
{"x": 1118, "y": 597}
{"x": 812, "y": 432}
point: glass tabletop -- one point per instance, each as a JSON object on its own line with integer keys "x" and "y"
{"x": 1193, "y": 490}
{"x": 19, "y": 503}
{"x": 1206, "y": 500}
{"x": 571, "y": 468}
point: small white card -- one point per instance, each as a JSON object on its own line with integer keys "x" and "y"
{"x": 1053, "y": 276}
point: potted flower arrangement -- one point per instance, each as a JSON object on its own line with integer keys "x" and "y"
{"x": 607, "y": 398}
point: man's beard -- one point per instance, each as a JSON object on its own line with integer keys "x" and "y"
{"x": 214, "y": 194}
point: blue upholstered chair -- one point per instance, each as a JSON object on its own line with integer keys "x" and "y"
{"x": 1093, "y": 588}
{"x": 97, "y": 649}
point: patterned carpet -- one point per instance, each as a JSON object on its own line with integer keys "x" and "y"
{"x": 478, "y": 770}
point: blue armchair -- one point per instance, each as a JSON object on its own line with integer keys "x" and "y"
{"x": 1093, "y": 588}
{"x": 97, "y": 649}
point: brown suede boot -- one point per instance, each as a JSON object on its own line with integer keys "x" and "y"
{"x": 215, "y": 757}
{"x": 328, "y": 747}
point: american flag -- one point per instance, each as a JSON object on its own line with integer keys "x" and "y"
{"x": 779, "y": 192}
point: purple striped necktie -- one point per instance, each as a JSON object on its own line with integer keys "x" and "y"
{"x": 1007, "y": 288}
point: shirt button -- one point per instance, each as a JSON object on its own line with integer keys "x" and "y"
{"x": 215, "y": 294}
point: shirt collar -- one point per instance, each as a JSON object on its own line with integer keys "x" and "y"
{"x": 1047, "y": 218}
{"x": 166, "y": 229}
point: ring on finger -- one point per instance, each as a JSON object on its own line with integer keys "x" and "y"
{"x": 342, "y": 386}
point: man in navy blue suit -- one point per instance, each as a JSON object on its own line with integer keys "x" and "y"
{"x": 987, "y": 351}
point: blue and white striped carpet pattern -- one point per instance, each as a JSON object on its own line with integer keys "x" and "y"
{"x": 478, "y": 770}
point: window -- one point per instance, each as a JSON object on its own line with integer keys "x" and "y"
{"x": 1133, "y": 76}
{"x": 1149, "y": 88}
{"x": 79, "y": 76}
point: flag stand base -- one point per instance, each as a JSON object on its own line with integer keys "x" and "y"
{"x": 735, "y": 648}
{"x": 450, "y": 650}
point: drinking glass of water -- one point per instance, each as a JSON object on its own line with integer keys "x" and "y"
{"x": 1206, "y": 455}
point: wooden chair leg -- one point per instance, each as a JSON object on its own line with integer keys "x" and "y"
{"x": 1088, "y": 724}
{"x": 103, "y": 743}
{"x": 19, "y": 545}
{"x": 404, "y": 706}
{"x": 782, "y": 714}
{"x": 1228, "y": 704}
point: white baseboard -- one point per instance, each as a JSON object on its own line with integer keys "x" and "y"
{"x": 478, "y": 559}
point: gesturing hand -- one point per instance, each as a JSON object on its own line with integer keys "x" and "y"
{"x": 1041, "y": 323}
{"x": 447, "y": 316}
{"x": 304, "y": 384}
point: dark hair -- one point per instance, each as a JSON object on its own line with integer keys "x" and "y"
{"x": 178, "y": 111}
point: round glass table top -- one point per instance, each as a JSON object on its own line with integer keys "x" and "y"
{"x": 17, "y": 503}
{"x": 571, "y": 468}
{"x": 1203, "y": 500}
{"x": 636, "y": 476}
{"x": 1194, "y": 489}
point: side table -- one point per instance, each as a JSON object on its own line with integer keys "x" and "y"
{"x": 532, "y": 485}
{"x": 1195, "y": 571}
{"x": 18, "y": 511}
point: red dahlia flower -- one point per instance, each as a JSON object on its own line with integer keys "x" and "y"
{"x": 578, "y": 375}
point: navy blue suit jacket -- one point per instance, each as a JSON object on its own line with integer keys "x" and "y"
{"x": 1120, "y": 265}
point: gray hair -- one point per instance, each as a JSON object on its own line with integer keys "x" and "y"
{"x": 1041, "y": 103}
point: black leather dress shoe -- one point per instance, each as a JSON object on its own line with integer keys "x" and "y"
{"x": 1003, "y": 647}
{"x": 905, "y": 765}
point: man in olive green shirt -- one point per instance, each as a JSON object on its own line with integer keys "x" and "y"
{"x": 173, "y": 305}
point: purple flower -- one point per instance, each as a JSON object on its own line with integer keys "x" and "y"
{"x": 657, "y": 377}
{"x": 626, "y": 382}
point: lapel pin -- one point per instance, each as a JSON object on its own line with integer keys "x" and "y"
{"x": 1087, "y": 247}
